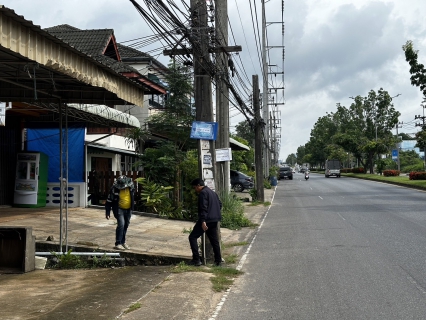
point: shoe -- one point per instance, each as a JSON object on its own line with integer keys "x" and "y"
{"x": 119, "y": 247}
{"x": 126, "y": 246}
{"x": 195, "y": 263}
{"x": 217, "y": 264}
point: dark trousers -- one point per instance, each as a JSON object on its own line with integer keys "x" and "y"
{"x": 212, "y": 234}
{"x": 123, "y": 220}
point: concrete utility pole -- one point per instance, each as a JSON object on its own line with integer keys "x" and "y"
{"x": 222, "y": 95}
{"x": 265, "y": 106}
{"x": 423, "y": 126}
{"x": 258, "y": 124}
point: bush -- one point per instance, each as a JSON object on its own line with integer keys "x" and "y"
{"x": 391, "y": 173}
{"x": 358, "y": 170}
{"x": 413, "y": 168}
{"x": 417, "y": 175}
{"x": 233, "y": 213}
{"x": 345, "y": 170}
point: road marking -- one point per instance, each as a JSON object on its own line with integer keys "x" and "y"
{"x": 341, "y": 216}
{"x": 241, "y": 263}
{"x": 320, "y": 197}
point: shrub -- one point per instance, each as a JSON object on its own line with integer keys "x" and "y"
{"x": 417, "y": 175}
{"x": 345, "y": 170}
{"x": 391, "y": 173}
{"x": 413, "y": 168}
{"x": 233, "y": 213}
{"x": 358, "y": 170}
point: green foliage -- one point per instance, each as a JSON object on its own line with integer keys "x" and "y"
{"x": 391, "y": 173}
{"x": 233, "y": 213}
{"x": 155, "y": 196}
{"x": 267, "y": 184}
{"x": 291, "y": 159}
{"x": 245, "y": 130}
{"x": 417, "y": 70}
{"x": 253, "y": 194}
{"x": 242, "y": 160}
{"x": 273, "y": 171}
{"x": 69, "y": 261}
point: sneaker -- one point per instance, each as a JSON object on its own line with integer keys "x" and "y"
{"x": 126, "y": 246}
{"x": 119, "y": 247}
{"x": 195, "y": 263}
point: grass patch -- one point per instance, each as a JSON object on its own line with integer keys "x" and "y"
{"x": 400, "y": 180}
{"x": 231, "y": 258}
{"x": 133, "y": 307}
{"x": 223, "y": 277}
{"x": 256, "y": 203}
{"x": 185, "y": 230}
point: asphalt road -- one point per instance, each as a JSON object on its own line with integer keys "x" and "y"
{"x": 335, "y": 248}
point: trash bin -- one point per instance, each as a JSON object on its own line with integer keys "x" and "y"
{"x": 274, "y": 181}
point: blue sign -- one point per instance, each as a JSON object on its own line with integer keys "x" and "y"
{"x": 395, "y": 154}
{"x": 204, "y": 130}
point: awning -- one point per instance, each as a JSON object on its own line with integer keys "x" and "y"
{"x": 237, "y": 146}
{"x": 107, "y": 113}
{"x": 110, "y": 149}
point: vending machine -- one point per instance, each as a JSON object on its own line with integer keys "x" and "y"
{"x": 31, "y": 180}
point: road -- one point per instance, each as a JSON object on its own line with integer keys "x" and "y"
{"x": 335, "y": 248}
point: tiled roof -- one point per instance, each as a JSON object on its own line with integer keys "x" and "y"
{"x": 90, "y": 42}
{"x": 129, "y": 52}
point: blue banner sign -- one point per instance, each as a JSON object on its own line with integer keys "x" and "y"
{"x": 204, "y": 130}
{"x": 395, "y": 154}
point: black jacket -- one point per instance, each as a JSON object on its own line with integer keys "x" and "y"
{"x": 112, "y": 201}
{"x": 209, "y": 206}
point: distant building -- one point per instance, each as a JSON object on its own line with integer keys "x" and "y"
{"x": 408, "y": 145}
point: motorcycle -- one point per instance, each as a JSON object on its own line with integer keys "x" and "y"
{"x": 306, "y": 175}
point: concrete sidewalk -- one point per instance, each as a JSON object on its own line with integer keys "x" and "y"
{"x": 106, "y": 293}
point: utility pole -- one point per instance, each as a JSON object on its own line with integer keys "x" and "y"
{"x": 423, "y": 128}
{"x": 398, "y": 143}
{"x": 266, "y": 153}
{"x": 222, "y": 95}
{"x": 258, "y": 124}
{"x": 271, "y": 137}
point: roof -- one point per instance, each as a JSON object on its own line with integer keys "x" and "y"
{"x": 237, "y": 146}
{"x": 111, "y": 149}
{"x": 92, "y": 42}
{"x": 101, "y": 45}
{"x": 108, "y": 113}
{"x": 50, "y": 69}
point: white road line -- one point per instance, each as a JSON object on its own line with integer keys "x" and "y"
{"x": 320, "y": 197}
{"x": 241, "y": 263}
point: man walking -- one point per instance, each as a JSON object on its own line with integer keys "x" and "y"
{"x": 209, "y": 215}
{"x": 121, "y": 200}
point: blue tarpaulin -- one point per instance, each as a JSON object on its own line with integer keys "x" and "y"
{"x": 47, "y": 141}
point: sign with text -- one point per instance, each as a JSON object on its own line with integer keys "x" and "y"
{"x": 223, "y": 154}
{"x": 395, "y": 154}
{"x": 204, "y": 130}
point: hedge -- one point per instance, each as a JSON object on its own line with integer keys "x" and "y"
{"x": 391, "y": 173}
{"x": 417, "y": 175}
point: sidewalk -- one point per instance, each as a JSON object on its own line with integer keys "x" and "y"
{"x": 105, "y": 293}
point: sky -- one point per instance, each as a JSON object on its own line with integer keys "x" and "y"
{"x": 334, "y": 49}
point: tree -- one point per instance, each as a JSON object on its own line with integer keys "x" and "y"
{"x": 245, "y": 130}
{"x": 291, "y": 159}
{"x": 417, "y": 70}
{"x": 162, "y": 162}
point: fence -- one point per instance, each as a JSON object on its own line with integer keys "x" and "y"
{"x": 99, "y": 184}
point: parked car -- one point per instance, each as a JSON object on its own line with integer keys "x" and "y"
{"x": 285, "y": 172}
{"x": 240, "y": 181}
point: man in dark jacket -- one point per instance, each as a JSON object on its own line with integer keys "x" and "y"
{"x": 121, "y": 200}
{"x": 209, "y": 215}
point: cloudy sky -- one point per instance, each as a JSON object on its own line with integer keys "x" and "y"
{"x": 334, "y": 49}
